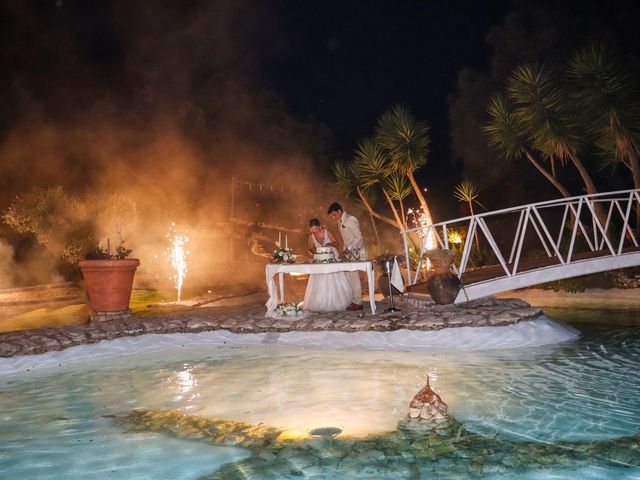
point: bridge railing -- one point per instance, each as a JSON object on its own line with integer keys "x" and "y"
{"x": 566, "y": 230}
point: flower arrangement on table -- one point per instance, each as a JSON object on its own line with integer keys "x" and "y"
{"x": 281, "y": 255}
{"x": 289, "y": 310}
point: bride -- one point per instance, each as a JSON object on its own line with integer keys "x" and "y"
{"x": 326, "y": 292}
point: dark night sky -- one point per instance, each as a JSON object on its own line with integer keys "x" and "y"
{"x": 273, "y": 81}
{"x": 334, "y": 64}
{"x": 351, "y": 61}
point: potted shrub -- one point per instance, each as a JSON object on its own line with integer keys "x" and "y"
{"x": 108, "y": 280}
{"x": 441, "y": 259}
{"x": 69, "y": 226}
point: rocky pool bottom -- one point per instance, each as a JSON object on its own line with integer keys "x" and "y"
{"x": 416, "y": 450}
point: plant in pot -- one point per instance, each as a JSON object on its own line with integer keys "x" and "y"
{"x": 68, "y": 226}
{"x": 108, "y": 281}
{"x": 443, "y": 285}
{"x": 441, "y": 259}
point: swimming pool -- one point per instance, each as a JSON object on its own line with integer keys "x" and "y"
{"x": 61, "y": 423}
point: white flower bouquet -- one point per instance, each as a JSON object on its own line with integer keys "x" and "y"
{"x": 289, "y": 310}
{"x": 283, "y": 254}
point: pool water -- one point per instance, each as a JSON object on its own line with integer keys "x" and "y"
{"x": 60, "y": 423}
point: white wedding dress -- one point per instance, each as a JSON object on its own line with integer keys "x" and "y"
{"x": 327, "y": 292}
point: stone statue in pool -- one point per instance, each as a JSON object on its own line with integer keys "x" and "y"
{"x": 427, "y": 405}
{"x": 428, "y": 444}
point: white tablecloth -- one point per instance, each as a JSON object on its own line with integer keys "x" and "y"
{"x": 311, "y": 268}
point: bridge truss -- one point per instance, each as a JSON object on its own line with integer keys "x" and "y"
{"x": 532, "y": 244}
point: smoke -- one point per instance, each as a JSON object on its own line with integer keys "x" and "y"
{"x": 160, "y": 104}
{"x": 37, "y": 268}
{"x": 7, "y": 266}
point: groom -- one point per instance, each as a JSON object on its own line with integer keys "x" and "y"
{"x": 349, "y": 228}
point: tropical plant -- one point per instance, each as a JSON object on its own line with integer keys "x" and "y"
{"x": 406, "y": 140}
{"x": 543, "y": 109}
{"x": 607, "y": 93}
{"x": 371, "y": 167}
{"x": 398, "y": 188}
{"x": 348, "y": 183}
{"x": 507, "y": 135}
{"x": 467, "y": 191}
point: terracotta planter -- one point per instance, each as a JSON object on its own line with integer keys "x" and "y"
{"x": 443, "y": 287}
{"x": 108, "y": 283}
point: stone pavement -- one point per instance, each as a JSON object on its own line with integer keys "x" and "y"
{"x": 418, "y": 313}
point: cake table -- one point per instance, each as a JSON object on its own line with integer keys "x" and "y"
{"x": 313, "y": 268}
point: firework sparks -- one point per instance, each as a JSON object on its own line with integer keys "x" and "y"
{"x": 426, "y": 234}
{"x": 178, "y": 253}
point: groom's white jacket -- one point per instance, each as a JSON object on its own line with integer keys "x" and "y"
{"x": 351, "y": 235}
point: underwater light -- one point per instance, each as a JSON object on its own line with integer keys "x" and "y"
{"x": 325, "y": 432}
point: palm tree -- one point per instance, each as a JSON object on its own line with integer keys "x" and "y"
{"x": 608, "y": 93}
{"x": 542, "y": 108}
{"x": 466, "y": 191}
{"x": 406, "y": 141}
{"x": 348, "y": 184}
{"x": 507, "y": 135}
{"x": 545, "y": 111}
{"x": 371, "y": 167}
{"x": 398, "y": 188}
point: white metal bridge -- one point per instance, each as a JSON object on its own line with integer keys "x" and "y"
{"x": 532, "y": 244}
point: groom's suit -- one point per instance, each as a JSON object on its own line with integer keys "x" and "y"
{"x": 352, "y": 237}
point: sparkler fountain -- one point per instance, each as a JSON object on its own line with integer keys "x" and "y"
{"x": 427, "y": 237}
{"x": 178, "y": 254}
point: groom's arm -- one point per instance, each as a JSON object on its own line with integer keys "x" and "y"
{"x": 354, "y": 227}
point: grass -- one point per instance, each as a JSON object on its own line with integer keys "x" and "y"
{"x": 79, "y": 313}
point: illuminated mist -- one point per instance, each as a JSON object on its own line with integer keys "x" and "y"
{"x": 162, "y": 107}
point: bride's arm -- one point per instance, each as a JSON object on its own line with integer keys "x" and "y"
{"x": 334, "y": 240}
{"x": 310, "y": 246}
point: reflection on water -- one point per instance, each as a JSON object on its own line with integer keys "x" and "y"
{"x": 586, "y": 389}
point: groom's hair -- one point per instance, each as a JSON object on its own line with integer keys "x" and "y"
{"x": 314, "y": 222}
{"x": 334, "y": 207}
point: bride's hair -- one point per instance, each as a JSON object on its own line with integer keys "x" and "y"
{"x": 314, "y": 222}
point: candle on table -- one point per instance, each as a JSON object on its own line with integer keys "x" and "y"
{"x": 286, "y": 241}
{"x": 279, "y": 238}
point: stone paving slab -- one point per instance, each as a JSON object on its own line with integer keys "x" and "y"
{"x": 418, "y": 313}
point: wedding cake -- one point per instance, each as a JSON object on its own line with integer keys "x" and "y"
{"x": 323, "y": 255}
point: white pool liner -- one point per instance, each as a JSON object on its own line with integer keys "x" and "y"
{"x": 532, "y": 333}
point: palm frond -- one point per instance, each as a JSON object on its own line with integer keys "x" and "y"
{"x": 505, "y": 133}
{"x": 347, "y": 182}
{"x": 371, "y": 163}
{"x": 607, "y": 92}
{"x": 397, "y": 186}
{"x": 404, "y": 138}
{"x": 467, "y": 191}
{"x": 542, "y": 107}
